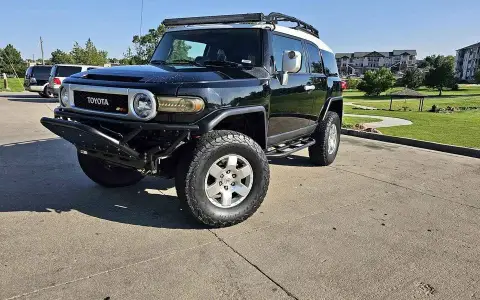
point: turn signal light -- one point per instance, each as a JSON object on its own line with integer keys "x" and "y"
{"x": 180, "y": 104}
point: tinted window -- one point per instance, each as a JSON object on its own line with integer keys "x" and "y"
{"x": 314, "y": 59}
{"x": 236, "y": 45}
{"x": 330, "y": 63}
{"x": 40, "y": 72}
{"x": 65, "y": 71}
{"x": 282, "y": 44}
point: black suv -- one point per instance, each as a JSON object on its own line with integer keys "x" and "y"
{"x": 221, "y": 94}
{"x": 36, "y": 80}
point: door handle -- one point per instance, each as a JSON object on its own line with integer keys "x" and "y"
{"x": 309, "y": 87}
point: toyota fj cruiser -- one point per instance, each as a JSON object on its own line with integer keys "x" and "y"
{"x": 220, "y": 96}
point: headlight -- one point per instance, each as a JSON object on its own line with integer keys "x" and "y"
{"x": 64, "y": 96}
{"x": 143, "y": 105}
{"x": 179, "y": 104}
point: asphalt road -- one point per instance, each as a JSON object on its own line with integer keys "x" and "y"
{"x": 383, "y": 222}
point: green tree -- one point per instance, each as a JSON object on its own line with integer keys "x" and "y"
{"x": 180, "y": 51}
{"x": 11, "y": 61}
{"x": 60, "y": 57}
{"x": 441, "y": 72}
{"x": 413, "y": 78}
{"x": 144, "y": 46}
{"x": 88, "y": 55}
{"x": 376, "y": 82}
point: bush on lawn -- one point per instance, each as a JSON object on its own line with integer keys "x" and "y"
{"x": 376, "y": 82}
{"x": 352, "y": 83}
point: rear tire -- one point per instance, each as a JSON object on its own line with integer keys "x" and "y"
{"x": 101, "y": 172}
{"x": 327, "y": 140}
{"x": 224, "y": 179}
{"x": 47, "y": 93}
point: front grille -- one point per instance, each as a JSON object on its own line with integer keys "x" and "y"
{"x": 112, "y": 103}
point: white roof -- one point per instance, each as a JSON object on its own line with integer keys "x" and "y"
{"x": 276, "y": 28}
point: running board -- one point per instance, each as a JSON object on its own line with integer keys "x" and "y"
{"x": 288, "y": 148}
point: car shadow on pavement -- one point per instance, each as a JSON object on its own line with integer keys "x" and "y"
{"x": 292, "y": 160}
{"x": 30, "y": 99}
{"x": 44, "y": 176}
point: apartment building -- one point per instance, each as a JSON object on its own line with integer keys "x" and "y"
{"x": 359, "y": 62}
{"x": 467, "y": 62}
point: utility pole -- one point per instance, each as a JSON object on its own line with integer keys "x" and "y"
{"x": 34, "y": 59}
{"x": 41, "y": 48}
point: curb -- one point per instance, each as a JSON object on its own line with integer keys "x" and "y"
{"x": 471, "y": 152}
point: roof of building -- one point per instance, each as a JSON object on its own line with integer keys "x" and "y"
{"x": 471, "y": 46}
{"x": 385, "y": 54}
{"x": 340, "y": 55}
{"x": 400, "y": 52}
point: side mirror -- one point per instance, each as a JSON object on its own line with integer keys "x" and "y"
{"x": 291, "y": 63}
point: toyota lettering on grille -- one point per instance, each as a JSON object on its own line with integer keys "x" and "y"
{"x": 97, "y": 101}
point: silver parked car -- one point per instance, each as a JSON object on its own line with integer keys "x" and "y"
{"x": 60, "y": 72}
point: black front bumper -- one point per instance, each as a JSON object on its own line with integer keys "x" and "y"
{"x": 114, "y": 146}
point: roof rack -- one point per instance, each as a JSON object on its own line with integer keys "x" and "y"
{"x": 272, "y": 18}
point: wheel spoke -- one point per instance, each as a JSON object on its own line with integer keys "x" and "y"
{"x": 244, "y": 172}
{"x": 213, "y": 190}
{"x": 215, "y": 171}
{"x": 232, "y": 162}
{"x": 241, "y": 189}
{"x": 227, "y": 197}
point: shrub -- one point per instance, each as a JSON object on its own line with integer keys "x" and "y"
{"x": 376, "y": 82}
{"x": 352, "y": 83}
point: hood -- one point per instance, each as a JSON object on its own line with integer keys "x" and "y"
{"x": 168, "y": 74}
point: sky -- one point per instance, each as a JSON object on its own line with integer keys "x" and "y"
{"x": 428, "y": 26}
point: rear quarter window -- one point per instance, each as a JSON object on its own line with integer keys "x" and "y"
{"x": 329, "y": 63}
{"x": 65, "y": 71}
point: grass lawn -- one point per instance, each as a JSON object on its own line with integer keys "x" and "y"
{"x": 15, "y": 85}
{"x": 458, "y": 128}
{"x": 350, "y": 122}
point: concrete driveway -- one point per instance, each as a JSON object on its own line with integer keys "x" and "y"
{"x": 384, "y": 222}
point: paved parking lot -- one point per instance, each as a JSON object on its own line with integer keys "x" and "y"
{"x": 384, "y": 222}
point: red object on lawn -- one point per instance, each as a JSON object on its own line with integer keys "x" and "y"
{"x": 344, "y": 85}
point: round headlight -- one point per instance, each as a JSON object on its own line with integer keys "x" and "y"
{"x": 64, "y": 96}
{"x": 143, "y": 105}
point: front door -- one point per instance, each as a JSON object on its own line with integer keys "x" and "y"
{"x": 290, "y": 104}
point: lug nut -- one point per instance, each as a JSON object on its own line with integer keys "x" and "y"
{"x": 221, "y": 175}
{"x": 220, "y": 183}
{"x": 226, "y": 187}
{"x": 228, "y": 172}
{"x": 233, "y": 175}
{"x": 233, "y": 183}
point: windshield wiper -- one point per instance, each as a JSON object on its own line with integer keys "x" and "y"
{"x": 183, "y": 62}
{"x": 225, "y": 63}
{"x": 157, "y": 62}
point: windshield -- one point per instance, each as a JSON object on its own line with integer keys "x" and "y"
{"x": 210, "y": 46}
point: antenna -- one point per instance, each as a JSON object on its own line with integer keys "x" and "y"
{"x": 141, "y": 19}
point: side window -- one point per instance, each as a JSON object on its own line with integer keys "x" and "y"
{"x": 282, "y": 44}
{"x": 314, "y": 59}
{"x": 330, "y": 63}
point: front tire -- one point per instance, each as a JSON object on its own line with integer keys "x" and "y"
{"x": 107, "y": 175}
{"x": 225, "y": 180}
{"x": 47, "y": 93}
{"x": 327, "y": 140}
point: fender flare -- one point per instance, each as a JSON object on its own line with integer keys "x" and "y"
{"x": 326, "y": 106}
{"x": 211, "y": 120}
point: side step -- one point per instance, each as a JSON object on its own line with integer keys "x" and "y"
{"x": 288, "y": 148}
